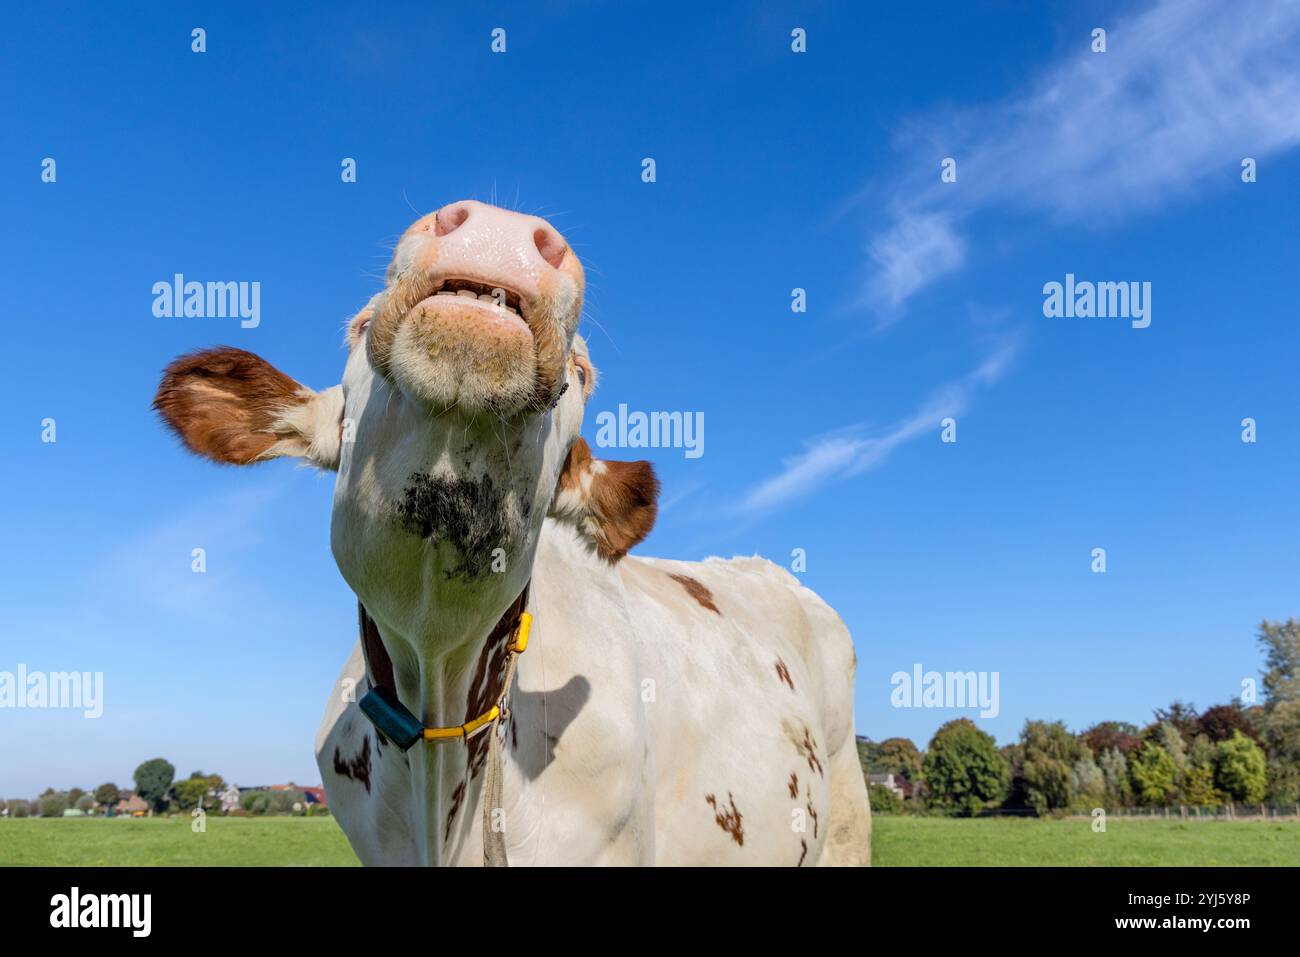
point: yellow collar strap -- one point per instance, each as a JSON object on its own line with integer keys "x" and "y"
{"x": 401, "y": 727}
{"x": 470, "y": 728}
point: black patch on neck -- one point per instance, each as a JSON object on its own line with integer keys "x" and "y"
{"x": 469, "y": 515}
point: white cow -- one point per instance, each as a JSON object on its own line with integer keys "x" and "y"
{"x": 663, "y": 712}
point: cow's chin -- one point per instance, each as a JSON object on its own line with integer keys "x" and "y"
{"x": 471, "y": 356}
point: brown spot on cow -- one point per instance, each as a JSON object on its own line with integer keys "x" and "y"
{"x": 488, "y": 681}
{"x": 812, "y": 811}
{"x": 698, "y": 591}
{"x": 729, "y": 819}
{"x": 358, "y": 768}
{"x": 803, "y": 853}
{"x": 457, "y": 796}
{"x": 810, "y": 752}
{"x": 783, "y": 673}
{"x": 794, "y": 785}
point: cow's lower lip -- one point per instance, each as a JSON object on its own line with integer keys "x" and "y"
{"x": 449, "y": 306}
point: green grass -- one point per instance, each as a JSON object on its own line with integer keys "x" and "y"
{"x": 228, "y": 841}
{"x": 927, "y": 842}
{"x": 899, "y": 841}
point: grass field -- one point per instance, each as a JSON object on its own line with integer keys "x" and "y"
{"x": 1000, "y": 841}
{"x": 899, "y": 841}
{"x": 228, "y": 841}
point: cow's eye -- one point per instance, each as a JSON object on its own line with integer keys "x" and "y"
{"x": 582, "y": 374}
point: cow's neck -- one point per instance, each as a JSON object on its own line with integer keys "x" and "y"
{"x": 459, "y": 683}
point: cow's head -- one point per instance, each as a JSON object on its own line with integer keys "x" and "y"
{"x": 454, "y": 431}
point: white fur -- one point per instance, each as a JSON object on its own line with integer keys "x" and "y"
{"x": 634, "y": 704}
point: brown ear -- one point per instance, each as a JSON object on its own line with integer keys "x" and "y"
{"x": 234, "y": 407}
{"x": 613, "y": 503}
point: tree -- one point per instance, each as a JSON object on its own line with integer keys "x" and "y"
{"x": 1114, "y": 770}
{"x": 108, "y": 795}
{"x": 963, "y": 769}
{"x": 1106, "y": 735}
{"x": 1279, "y": 720}
{"x": 1050, "y": 752}
{"x": 1241, "y": 770}
{"x": 1087, "y": 782}
{"x": 52, "y": 803}
{"x": 1181, "y": 716}
{"x": 1281, "y": 643}
{"x": 897, "y": 756}
{"x": 866, "y": 754}
{"x": 191, "y": 792}
{"x": 1279, "y": 726}
{"x": 1199, "y": 789}
{"x": 153, "y": 781}
{"x": 1168, "y": 736}
{"x": 1219, "y": 722}
{"x": 1154, "y": 774}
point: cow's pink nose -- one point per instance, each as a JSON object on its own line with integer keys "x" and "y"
{"x": 491, "y": 223}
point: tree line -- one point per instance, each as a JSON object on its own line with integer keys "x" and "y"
{"x": 155, "y": 785}
{"x": 1237, "y": 752}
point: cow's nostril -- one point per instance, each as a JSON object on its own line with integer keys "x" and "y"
{"x": 550, "y": 245}
{"x": 451, "y": 218}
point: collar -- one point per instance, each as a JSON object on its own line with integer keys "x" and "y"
{"x": 395, "y": 721}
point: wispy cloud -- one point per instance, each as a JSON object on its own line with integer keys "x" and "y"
{"x": 852, "y": 451}
{"x": 153, "y": 567}
{"x": 1184, "y": 91}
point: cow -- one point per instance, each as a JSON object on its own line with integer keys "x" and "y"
{"x": 522, "y": 690}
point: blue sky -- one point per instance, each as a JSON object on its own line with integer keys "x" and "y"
{"x": 775, "y": 170}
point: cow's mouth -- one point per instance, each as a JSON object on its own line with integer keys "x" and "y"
{"x": 486, "y": 293}
{"x": 475, "y": 342}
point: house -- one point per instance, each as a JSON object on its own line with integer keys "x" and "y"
{"x": 130, "y": 805}
{"x": 311, "y": 795}
{"x": 229, "y": 799}
{"x": 891, "y": 782}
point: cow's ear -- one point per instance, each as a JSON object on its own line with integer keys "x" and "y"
{"x": 234, "y": 407}
{"x": 612, "y": 503}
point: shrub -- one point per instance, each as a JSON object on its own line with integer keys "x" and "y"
{"x": 255, "y": 802}
{"x": 883, "y": 800}
{"x": 282, "y": 802}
